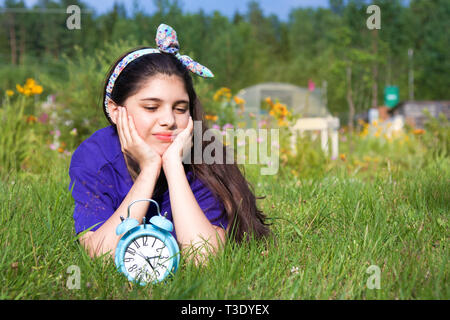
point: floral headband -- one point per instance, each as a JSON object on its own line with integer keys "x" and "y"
{"x": 166, "y": 40}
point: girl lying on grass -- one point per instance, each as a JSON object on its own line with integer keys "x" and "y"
{"x": 150, "y": 101}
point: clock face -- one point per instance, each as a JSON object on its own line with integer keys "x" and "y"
{"x": 147, "y": 259}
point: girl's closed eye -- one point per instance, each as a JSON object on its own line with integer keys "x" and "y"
{"x": 181, "y": 110}
{"x": 182, "y": 107}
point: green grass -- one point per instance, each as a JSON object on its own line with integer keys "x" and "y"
{"x": 327, "y": 232}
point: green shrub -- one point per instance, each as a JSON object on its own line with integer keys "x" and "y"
{"x": 437, "y": 135}
{"x": 79, "y": 89}
{"x": 24, "y": 141}
{"x": 16, "y": 143}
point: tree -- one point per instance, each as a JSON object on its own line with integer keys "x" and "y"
{"x": 428, "y": 21}
{"x": 12, "y": 26}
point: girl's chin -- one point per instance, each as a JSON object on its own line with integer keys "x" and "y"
{"x": 161, "y": 148}
{"x": 158, "y": 145}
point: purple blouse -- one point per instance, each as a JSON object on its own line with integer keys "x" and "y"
{"x": 100, "y": 181}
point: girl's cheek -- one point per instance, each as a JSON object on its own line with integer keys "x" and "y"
{"x": 184, "y": 122}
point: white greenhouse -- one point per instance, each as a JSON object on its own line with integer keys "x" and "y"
{"x": 309, "y": 105}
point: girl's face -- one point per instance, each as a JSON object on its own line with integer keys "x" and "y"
{"x": 160, "y": 106}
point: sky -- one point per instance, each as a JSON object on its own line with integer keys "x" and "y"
{"x": 281, "y": 8}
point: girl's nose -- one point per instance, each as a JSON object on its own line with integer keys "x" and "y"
{"x": 167, "y": 118}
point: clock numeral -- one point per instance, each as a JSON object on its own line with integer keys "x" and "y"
{"x": 145, "y": 241}
{"x": 160, "y": 249}
{"x": 142, "y": 275}
{"x": 128, "y": 259}
{"x": 132, "y": 268}
{"x": 131, "y": 251}
{"x": 136, "y": 244}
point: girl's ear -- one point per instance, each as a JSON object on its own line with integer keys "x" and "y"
{"x": 113, "y": 111}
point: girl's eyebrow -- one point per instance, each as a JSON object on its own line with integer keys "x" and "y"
{"x": 159, "y": 100}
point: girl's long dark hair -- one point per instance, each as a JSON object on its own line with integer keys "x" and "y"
{"x": 226, "y": 181}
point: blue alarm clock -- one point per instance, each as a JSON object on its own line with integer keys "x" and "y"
{"x": 146, "y": 253}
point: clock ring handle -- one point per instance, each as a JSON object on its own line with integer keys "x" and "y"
{"x": 150, "y": 200}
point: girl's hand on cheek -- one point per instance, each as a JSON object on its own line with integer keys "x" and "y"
{"x": 132, "y": 143}
{"x": 181, "y": 145}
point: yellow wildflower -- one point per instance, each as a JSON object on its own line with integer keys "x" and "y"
{"x": 277, "y": 106}
{"x": 224, "y": 91}
{"x": 211, "y": 117}
{"x": 31, "y": 119}
{"x": 284, "y": 111}
{"x": 30, "y": 88}
{"x": 30, "y": 82}
{"x": 238, "y": 100}
{"x": 279, "y": 111}
{"x": 364, "y": 133}
{"x": 27, "y": 92}
{"x": 9, "y": 93}
{"x": 37, "y": 89}
{"x": 377, "y": 133}
{"x": 269, "y": 101}
{"x": 418, "y": 131}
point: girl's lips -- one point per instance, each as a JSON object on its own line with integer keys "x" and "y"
{"x": 163, "y": 137}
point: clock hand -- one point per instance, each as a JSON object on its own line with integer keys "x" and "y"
{"x": 146, "y": 259}
{"x": 141, "y": 255}
{"x": 154, "y": 257}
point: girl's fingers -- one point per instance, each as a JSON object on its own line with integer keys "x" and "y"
{"x": 120, "y": 128}
{"x": 188, "y": 130}
{"x": 126, "y": 128}
{"x": 134, "y": 134}
{"x": 190, "y": 125}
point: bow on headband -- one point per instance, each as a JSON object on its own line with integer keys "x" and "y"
{"x": 166, "y": 40}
